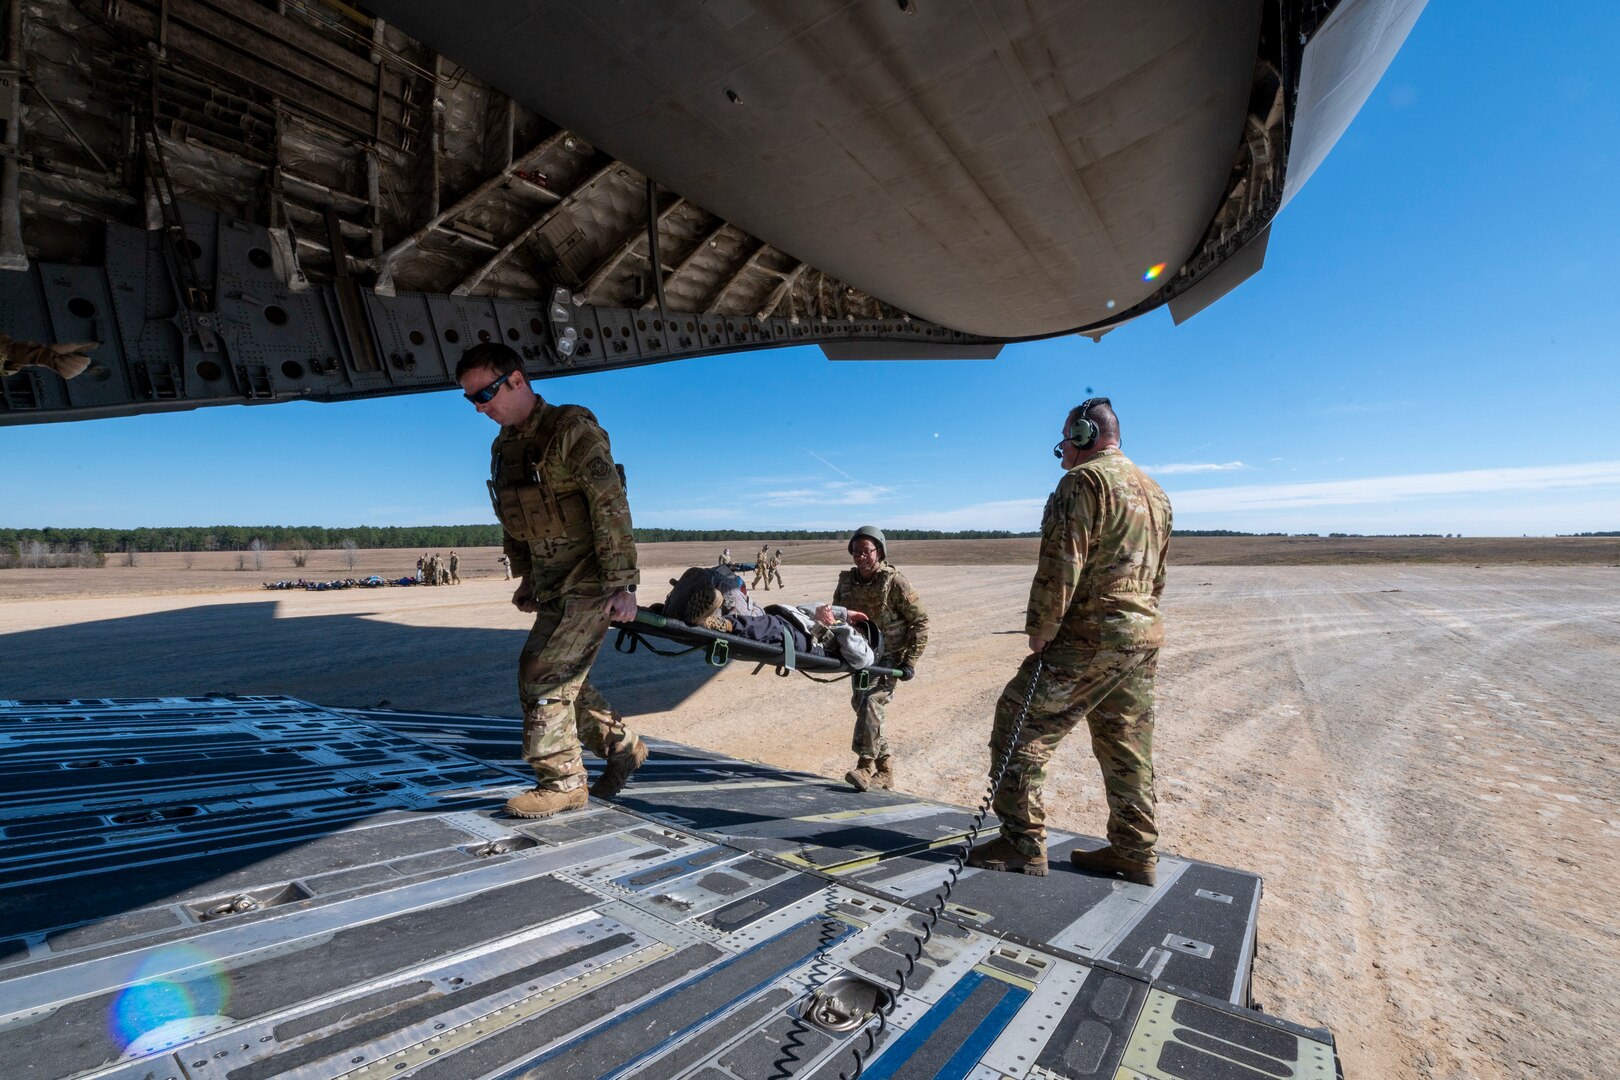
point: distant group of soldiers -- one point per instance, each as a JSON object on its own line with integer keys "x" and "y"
{"x": 435, "y": 569}
{"x": 768, "y": 566}
{"x": 1093, "y": 623}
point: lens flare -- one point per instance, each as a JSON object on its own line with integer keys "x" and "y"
{"x": 1153, "y": 272}
{"x": 175, "y": 994}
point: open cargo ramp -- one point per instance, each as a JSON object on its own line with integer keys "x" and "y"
{"x": 254, "y": 887}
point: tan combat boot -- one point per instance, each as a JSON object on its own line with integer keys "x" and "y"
{"x": 616, "y": 773}
{"x": 699, "y": 607}
{"x": 542, "y": 802}
{"x": 883, "y": 776}
{"x": 861, "y": 776}
{"x": 1000, "y": 854}
{"x": 1108, "y": 861}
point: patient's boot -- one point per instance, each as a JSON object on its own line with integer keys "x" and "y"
{"x": 700, "y": 607}
{"x": 883, "y": 775}
{"x": 861, "y": 776}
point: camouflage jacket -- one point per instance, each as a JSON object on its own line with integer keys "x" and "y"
{"x": 890, "y": 601}
{"x": 1105, "y": 539}
{"x": 561, "y": 503}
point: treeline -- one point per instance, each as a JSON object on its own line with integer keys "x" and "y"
{"x": 726, "y": 536}
{"x": 1215, "y": 532}
{"x": 244, "y": 537}
{"x": 85, "y": 542}
{"x": 425, "y": 537}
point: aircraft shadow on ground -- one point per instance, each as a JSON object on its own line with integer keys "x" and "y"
{"x": 352, "y": 660}
{"x": 349, "y": 660}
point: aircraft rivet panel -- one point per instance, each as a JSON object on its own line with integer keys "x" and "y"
{"x": 522, "y": 325}
{"x": 80, "y": 310}
{"x": 617, "y": 337}
{"x": 1175, "y": 1038}
{"x": 461, "y": 323}
{"x": 405, "y": 337}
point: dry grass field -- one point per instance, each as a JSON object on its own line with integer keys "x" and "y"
{"x": 1413, "y": 741}
{"x": 232, "y": 571}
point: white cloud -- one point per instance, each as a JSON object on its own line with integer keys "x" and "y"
{"x": 1016, "y": 515}
{"x": 831, "y": 466}
{"x": 798, "y": 478}
{"x": 1386, "y": 489}
{"x": 831, "y": 493}
{"x": 1194, "y": 467}
{"x": 683, "y": 517}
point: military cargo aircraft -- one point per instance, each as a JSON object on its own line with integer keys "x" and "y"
{"x": 208, "y": 202}
{"x": 220, "y": 201}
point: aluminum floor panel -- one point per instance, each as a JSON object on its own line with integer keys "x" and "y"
{"x": 318, "y": 894}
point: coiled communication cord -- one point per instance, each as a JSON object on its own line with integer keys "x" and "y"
{"x": 873, "y": 1031}
{"x": 821, "y": 970}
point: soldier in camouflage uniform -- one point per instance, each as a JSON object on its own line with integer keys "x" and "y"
{"x": 762, "y": 568}
{"x": 1094, "y": 624}
{"x": 455, "y": 569}
{"x": 776, "y": 570}
{"x": 561, "y": 503}
{"x": 875, "y": 590}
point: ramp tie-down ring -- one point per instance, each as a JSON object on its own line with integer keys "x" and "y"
{"x": 877, "y": 1021}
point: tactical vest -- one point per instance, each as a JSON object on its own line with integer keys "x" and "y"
{"x": 873, "y": 599}
{"x": 535, "y": 499}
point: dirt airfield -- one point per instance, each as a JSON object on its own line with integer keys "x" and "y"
{"x": 1418, "y": 752}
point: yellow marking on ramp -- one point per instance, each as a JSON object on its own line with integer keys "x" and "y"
{"x": 484, "y": 1026}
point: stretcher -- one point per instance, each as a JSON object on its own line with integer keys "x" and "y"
{"x": 720, "y": 649}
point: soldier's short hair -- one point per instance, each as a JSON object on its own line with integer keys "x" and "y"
{"x": 1101, "y": 414}
{"x": 491, "y": 354}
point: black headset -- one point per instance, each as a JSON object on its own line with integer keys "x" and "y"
{"x": 1083, "y": 432}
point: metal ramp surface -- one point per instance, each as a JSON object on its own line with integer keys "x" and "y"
{"x": 253, "y": 887}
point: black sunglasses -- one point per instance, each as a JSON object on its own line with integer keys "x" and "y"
{"x": 487, "y": 394}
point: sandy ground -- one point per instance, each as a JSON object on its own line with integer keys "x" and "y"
{"x": 1422, "y": 761}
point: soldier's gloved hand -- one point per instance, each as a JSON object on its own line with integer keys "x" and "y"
{"x": 906, "y": 672}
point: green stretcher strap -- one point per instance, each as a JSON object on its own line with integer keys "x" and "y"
{"x": 787, "y": 653}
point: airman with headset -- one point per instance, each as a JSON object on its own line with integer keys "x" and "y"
{"x": 1094, "y": 636}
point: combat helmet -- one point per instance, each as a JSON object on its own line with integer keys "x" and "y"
{"x": 874, "y": 534}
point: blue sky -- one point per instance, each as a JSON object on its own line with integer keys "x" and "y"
{"x": 1431, "y": 347}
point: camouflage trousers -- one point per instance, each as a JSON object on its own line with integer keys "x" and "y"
{"x": 869, "y": 706}
{"x": 1113, "y": 692}
{"x": 561, "y": 709}
{"x": 761, "y": 575}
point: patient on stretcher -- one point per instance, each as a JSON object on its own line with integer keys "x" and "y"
{"x": 716, "y": 599}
